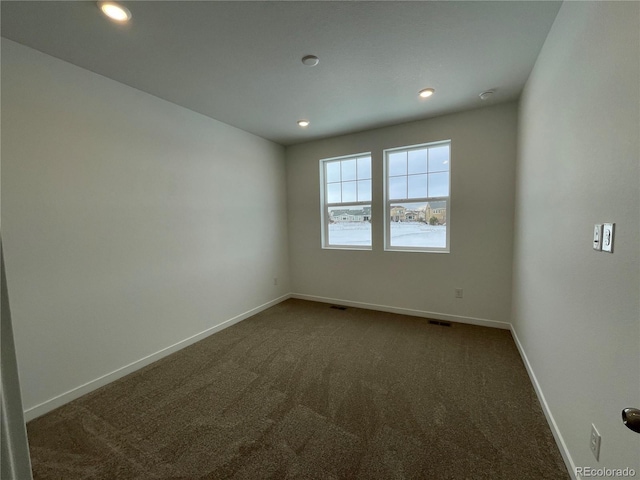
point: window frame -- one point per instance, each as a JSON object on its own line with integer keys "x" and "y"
{"x": 324, "y": 205}
{"x": 387, "y": 201}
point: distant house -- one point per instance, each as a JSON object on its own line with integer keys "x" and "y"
{"x": 424, "y": 214}
{"x": 350, "y": 215}
{"x": 398, "y": 214}
{"x": 437, "y": 210}
{"x": 412, "y": 215}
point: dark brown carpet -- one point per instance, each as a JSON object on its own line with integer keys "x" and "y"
{"x": 303, "y": 391}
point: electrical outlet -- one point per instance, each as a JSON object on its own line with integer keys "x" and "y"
{"x": 607, "y": 237}
{"x": 275, "y": 281}
{"x": 595, "y": 442}
{"x": 597, "y": 237}
{"x": 458, "y": 293}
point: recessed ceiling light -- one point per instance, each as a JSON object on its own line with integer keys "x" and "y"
{"x": 303, "y": 123}
{"x": 426, "y": 93}
{"x": 115, "y": 11}
{"x": 486, "y": 95}
{"x": 310, "y": 60}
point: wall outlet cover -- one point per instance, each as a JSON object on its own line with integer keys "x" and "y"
{"x": 607, "y": 237}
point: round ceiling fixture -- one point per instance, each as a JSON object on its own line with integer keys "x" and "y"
{"x": 115, "y": 11}
{"x": 310, "y": 60}
{"x": 426, "y": 93}
{"x": 486, "y": 95}
{"x": 303, "y": 123}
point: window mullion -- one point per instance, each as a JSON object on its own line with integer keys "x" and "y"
{"x": 347, "y": 204}
{"x": 428, "y": 153}
{"x": 340, "y": 163}
{"x": 357, "y": 179}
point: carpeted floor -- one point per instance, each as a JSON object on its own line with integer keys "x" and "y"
{"x": 304, "y": 391}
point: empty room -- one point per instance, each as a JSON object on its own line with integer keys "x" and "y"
{"x": 320, "y": 240}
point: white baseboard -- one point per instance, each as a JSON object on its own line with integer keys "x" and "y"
{"x": 407, "y": 311}
{"x": 562, "y": 446}
{"x": 77, "y": 392}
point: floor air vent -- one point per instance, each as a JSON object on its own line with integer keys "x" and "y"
{"x": 440, "y": 322}
{"x": 338, "y": 307}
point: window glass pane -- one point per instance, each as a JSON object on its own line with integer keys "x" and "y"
{"x": 348, "y": 170}
{"x": 350, "y": 225}
{"x": 397, "y": 163}
{"x": 418, "y": 161}
{"x": 439, "y": 159}
{"x": 333, "y": 172}
{"x": 364, "y": 168}
{"x": 439, "y": 184}
{"x": 398, "y": 187}
{"x": 417, "y": 186}
{"x": 348, "y": 192}
{"x": 364, "y": 191}
{"x": 334, "y": 193}
{"x": 420, "y": 225}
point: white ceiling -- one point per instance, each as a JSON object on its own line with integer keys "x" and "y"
{"x": 239, "y": 62}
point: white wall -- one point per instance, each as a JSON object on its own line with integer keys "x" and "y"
{"x": 129, "y": 223}
{"x": 576, "y": 311}
{"x": 483, "y": 146}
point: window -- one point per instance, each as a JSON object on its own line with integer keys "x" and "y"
{"x": 346, "y": 202}
{"x": 417, "y": 184}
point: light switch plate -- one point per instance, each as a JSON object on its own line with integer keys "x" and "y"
{"x": 607, "y": 237}
{"x": 597, "y": 237}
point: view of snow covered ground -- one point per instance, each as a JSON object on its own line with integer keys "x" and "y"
{"x": 350, "y": 233}
{"x": 418, "y": 234}
{"x": 403, "y": 234}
